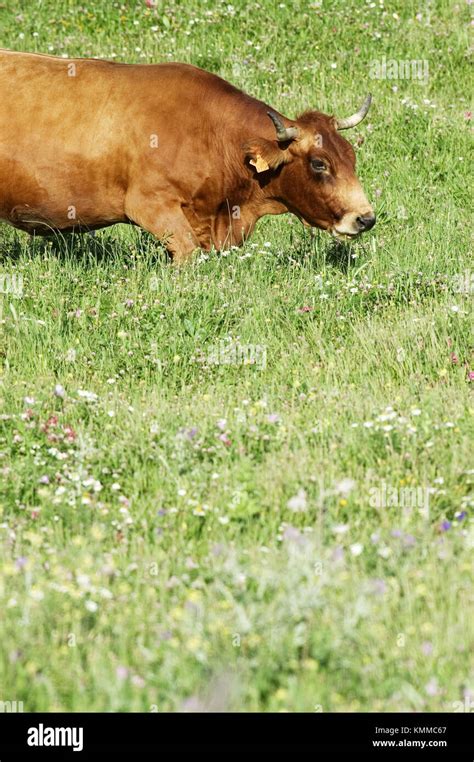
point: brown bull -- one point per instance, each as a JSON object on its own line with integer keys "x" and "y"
{"x": 180, "y": 152}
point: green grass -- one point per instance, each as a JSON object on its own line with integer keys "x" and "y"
{"x": 153, "y": 556}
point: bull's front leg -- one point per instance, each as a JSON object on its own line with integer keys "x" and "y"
{"x": 168, "y": 224}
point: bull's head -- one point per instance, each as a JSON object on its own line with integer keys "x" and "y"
{"x": 310, "y": 170}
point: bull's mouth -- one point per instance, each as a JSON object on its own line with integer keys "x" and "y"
{"x": 343, "y": 236}
{"x": 333, "y": 231}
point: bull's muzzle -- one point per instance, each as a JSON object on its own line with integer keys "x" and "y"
{"x": 354, "y": 223}
{"x": 365, "y": 221}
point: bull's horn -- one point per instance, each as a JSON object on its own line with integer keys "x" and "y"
{"x": 283, "y": 133}
{"x": 351, "y": 121}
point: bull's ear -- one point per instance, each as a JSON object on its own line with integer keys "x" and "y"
{"x": 265, "y": 155}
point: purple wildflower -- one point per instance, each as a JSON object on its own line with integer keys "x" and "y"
{"x": 379, "y": 586}
{"x": 292, "y": 534}
{"x": 122, "y": 673}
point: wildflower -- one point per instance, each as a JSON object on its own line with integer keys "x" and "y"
{"x": 59, "y": 391}
{"x": 345, "y": 487}
{"x": 379, "y": 586}
{"x": 340, "y": 528}
{"x": 298, "y": 502}
{"x": 69, "y": 433}
{"x": 460, "y": 515}
{"x": 51, "y": 422}
{"x": 432, "y": 688}
{"x": 337, "y": 554}
{"x": 356, "y": 548}
{"x": 83, "y": 580}
{"x": 88, "y": 396}
{"x": 292, "y": 534}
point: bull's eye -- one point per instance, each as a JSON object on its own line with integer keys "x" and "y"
{"x": 318, "y": 166}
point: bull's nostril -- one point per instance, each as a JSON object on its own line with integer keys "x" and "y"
{"x": 366, "y": 221}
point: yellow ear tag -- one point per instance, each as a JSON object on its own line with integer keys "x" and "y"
{"x": 259, "y": 164}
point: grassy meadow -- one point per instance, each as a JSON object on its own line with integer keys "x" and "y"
{"x": 246, "y": 484}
